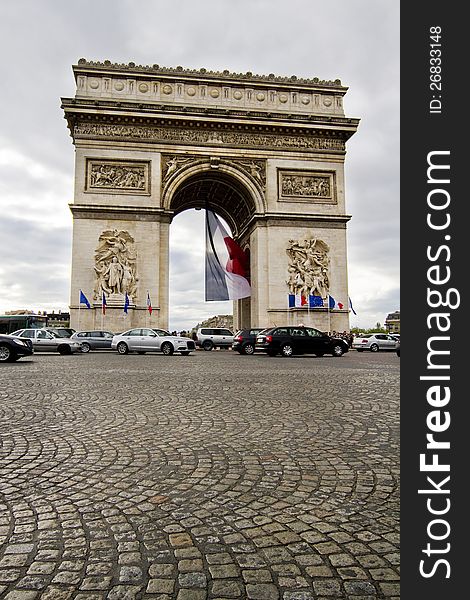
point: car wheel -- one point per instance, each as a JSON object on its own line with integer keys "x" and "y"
{"x": 167, "y": 349}
{"x": 122, "y": 348}
{"x": 287, "y": 350}
{"x": 6, "y": 354}
{"x": 338, "y": 350}
{"x": 248, "y": 349}
{"x": 86, "y": 347}
{"x": 64, "y": 350}
{"x": 319, "y": 354}
{"x": 185, "y": 353}
{"x": 374, "y": 348}
{"x": 207, "y": 346}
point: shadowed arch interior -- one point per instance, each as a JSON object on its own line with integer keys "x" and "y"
{"x": 219, "y": 192}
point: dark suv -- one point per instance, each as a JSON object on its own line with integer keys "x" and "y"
{"x": 299, "y": 340}
{"x": 244, "y": 341}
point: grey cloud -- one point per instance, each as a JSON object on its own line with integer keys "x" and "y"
{"x": 354, "y": 41}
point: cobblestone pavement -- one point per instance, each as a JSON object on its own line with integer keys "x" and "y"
{"x": 209, "y": 476}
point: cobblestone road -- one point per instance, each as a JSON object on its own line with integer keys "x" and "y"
{"x": 209, "y": 476}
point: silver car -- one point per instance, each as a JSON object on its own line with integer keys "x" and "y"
{"x": 374, "y": 342}
{"x": 214, "y": 337}
{"x": 45, "y": 341}
{"x": 94, "y": 340}
{"x": 142, "y": 340}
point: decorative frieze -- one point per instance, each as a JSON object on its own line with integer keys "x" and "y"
{"x": 122, "y": 177}
{"x": 186, "y": 135}
{"x": 307, "y": 186}
{"x": 174, "y": 163}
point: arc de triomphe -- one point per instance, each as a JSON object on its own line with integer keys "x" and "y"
{"x": 264, "y": 152}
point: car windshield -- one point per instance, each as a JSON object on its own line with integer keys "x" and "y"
{"x": 60, "y": 333}
{"x": 161, "y": 332}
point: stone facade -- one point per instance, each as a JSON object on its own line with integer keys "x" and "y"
{"x": 151, "y": 142}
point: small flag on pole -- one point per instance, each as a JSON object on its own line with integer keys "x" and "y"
{"x": 351, "y": 307}
{"x": 126, "y": 303}
{"x": 84, "y": 300}
{"x": 315, "y": 301}
{"x": 103, "y": 304}
{"x": 149, "y": 304}
{"x": 331, "y": 302}
{"x": 297, "y": 301}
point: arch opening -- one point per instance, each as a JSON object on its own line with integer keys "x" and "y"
{"x": 217, "y": 191}
{"x": 233, "y": 200}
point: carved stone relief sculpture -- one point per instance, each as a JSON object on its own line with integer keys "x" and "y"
{"x": 117, "y": 176}
{"x": 115, "y": 265}
{"x": 306, "y": 186}
{"x": 187, "y": 135}
{"x": 308, "y": 267}
{"x": 255, "y": 169}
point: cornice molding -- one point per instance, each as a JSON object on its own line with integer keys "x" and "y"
{"x": 204, "y": 74}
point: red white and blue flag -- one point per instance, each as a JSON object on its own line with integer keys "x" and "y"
{"x": 333, "y": 304}
{"x": 149, "y": 304}
{"x": 227, "y": 265}
{"x": 297, "y": 301}
{"x": 103, "y": 304}
{"x": 351, "y": 307}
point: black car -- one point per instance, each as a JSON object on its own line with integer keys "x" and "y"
{"x": 299, "y": 340}
{"x": 12, "y": 348}
{"x": 244, "y": 341}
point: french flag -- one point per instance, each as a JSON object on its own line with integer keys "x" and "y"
{"x": 297, "y": 301}
{"x": 103, "y": 304}
{"x": 333, "y": 304}
{"x": 149, "y": 304}
{"x": 227, "y": 265}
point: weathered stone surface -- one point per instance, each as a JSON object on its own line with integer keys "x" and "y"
{"x": 284, "y": 180}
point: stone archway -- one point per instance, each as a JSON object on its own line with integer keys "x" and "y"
{"x": 267, "y": 153}
{"x": 225, "y": 187}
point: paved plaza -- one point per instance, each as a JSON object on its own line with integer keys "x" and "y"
{"x": 209, "y": 476}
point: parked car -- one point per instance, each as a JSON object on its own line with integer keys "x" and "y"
{"x": 374, "y": 342}
{"x": 214, "y": 337}
{"x": 299, "y": 340}
{"x": 94, "y": 340}
{"x": 13, "y": 347}
{"x": 45, "y": 341}
{"x": 244, "y": 341}
{"x": 144, "y": 340}
{"x": 64, "y": 332}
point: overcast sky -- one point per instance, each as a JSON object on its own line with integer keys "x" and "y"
{"x": 356, "y": 41}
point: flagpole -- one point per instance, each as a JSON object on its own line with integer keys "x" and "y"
{"x": 329, "y": 316}
{"x": 102, "y": 310}
{"x": 79, "y": 305}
